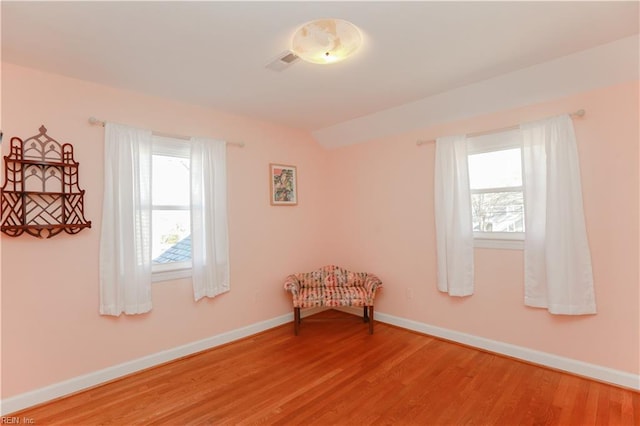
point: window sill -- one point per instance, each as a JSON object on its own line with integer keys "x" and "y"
{"x": 492, "y": 243}
{"x": 169, "y": 275}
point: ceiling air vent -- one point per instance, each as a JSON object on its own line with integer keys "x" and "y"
{"x": 284, "y": 60}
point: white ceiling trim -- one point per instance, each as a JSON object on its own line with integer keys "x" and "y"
{"x": 609, "y": 64}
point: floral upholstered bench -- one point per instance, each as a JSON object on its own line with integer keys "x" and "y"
{"x": 332, "y": 286}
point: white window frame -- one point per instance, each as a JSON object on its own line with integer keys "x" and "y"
{"x": 170, "y": 147}
{"x": 499, "y": 141}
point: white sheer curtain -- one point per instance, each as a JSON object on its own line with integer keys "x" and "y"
{"x": 454, "y": 226}
{"x": 558, "y": 274}
{"x": 209, "y": 233}
{"x": 125, "y": 243}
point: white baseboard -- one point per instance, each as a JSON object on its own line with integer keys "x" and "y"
{"x": 592, "y": 371}
{"x": 57, "y": 390}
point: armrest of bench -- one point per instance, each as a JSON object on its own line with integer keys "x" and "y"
{"x": 292, "y": 284}
{"x": 371, "y": 284}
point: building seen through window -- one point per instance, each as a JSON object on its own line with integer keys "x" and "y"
{"x": 495, "y": 179}
{"x": 170, "y": 196}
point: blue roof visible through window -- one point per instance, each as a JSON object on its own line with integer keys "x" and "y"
{"x": 179, "y": 252}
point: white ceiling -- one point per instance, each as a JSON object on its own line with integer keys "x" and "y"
{"x": 214, "y": 53}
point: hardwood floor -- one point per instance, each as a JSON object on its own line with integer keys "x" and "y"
{"x": 335, "y": 373}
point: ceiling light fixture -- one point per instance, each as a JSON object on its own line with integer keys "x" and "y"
{"x": 326, "y": 41}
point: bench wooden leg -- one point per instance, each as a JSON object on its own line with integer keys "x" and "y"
{"x": 370, "y": 319}
{"x": 296, "y": 320}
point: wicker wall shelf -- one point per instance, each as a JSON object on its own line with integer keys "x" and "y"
{"x": 41, "y": 195}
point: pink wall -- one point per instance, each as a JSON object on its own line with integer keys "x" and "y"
{"x": 366, "y": 207}
{"x": 51, "y": 330}
{"x": 386, "y": 224}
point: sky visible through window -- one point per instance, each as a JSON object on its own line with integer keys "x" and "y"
{"x": 496, "y": 169}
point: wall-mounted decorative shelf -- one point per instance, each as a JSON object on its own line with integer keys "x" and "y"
{"x": 41, "y": 195}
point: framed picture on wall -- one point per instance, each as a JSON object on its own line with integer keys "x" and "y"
{"x": 284, "y": 186}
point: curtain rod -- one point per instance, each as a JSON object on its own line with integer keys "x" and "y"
{"x": 94, "y": 121}
{"x": 578, "y": 113}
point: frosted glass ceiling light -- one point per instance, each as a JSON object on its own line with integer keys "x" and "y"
{"x": 325, "y": 41}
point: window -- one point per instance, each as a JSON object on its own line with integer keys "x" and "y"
{"x": 497, "y": 199}
{"x": 171, "y": 216}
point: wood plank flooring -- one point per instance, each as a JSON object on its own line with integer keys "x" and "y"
{"x": 335, "y": 373}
